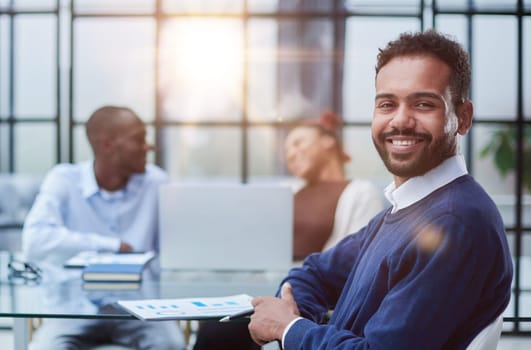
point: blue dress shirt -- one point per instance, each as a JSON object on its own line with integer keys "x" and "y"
{"x": 72, "y": 214}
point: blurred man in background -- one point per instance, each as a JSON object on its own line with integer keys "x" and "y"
{"x": 108, "y": 204}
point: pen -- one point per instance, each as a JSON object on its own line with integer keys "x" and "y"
{"x": 237, "y": 315}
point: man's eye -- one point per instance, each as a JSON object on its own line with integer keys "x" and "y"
{"x": 385, "y": 105}
{"x": 424, "y": 105}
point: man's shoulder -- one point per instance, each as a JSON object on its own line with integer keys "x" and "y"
{"x": 61, "y": 177}
{"x": 156, "y": 174}
{"x": 466, "y": 198}
{"x": 66, "y": 170}
{"x": 467, "y": 189}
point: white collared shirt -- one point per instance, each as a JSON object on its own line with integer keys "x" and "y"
{"x": 416, "y": 188}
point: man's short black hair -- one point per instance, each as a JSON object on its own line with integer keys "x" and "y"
{"x": 432, "y": 43}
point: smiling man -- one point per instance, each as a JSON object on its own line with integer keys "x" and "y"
{"x": 416, "y": 122}
{"x": 434, "y": 269}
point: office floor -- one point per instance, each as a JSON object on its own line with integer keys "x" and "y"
{"x": 506, "y": 343}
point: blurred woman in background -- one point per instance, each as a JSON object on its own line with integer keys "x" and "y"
{"x": 328, "y": 206}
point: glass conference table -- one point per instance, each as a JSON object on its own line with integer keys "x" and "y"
{"x": 61, "y": 293}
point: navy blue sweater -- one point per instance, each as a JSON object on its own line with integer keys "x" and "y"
{"x": 429, "y": 276}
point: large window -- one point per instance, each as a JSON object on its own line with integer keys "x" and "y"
{"x": 217, "y": 81}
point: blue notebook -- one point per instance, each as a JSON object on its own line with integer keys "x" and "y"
{"x": 113, "y": 272}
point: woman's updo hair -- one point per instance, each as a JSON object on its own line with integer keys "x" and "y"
{"x": 330, "y": 124}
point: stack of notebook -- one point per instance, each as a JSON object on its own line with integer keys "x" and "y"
{"x": 110, "y": 267}
{"x": 116, "y": 272}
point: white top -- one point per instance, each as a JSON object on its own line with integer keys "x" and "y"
{"x": 359, "y": 202}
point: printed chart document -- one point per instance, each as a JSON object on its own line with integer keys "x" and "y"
{"x": 187, "y": 308}
{"x": 84, "y": 259}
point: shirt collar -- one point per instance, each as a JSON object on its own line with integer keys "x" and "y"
{"x": 419, "y": 187}
{"x": 89, "y": 185}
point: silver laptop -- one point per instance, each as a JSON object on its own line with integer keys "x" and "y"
{"x": 226, "y": 227}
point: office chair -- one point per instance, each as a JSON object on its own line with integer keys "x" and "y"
{"x": 489, "y": 336}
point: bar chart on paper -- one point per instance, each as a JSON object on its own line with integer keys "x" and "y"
{"x": 187, "y": 308}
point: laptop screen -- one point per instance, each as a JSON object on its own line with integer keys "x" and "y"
{"x": 226, "y": 227}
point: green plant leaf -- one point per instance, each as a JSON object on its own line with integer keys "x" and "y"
{"x": 527, "y": 169}
{"x": 487, "y": 149}
{"x": 504, "y": 157}
{"x": 502, "y": 146}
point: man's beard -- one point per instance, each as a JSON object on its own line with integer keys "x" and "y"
{"x": 416, "y": 163}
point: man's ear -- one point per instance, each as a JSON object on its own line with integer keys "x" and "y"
{"x": 327, "y": 141}
{"x": 106, "y": 144}
{"x": 464, "y": 113}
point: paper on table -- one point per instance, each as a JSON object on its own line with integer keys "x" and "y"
{"x": 90, "y": 257}
{"x": 187, "y": 308}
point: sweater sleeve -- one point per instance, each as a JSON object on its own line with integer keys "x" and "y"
{"x": 434, "y": 287}
{"x": 317, "y": 284}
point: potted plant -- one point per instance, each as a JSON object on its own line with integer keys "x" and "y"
{"x": 502, "y": 147}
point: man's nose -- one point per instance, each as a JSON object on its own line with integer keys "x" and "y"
{"x": 404, "y": 118}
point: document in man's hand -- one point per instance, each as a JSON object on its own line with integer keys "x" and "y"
{"x": 86, "y": 258}
{"x": 187, "y": 308}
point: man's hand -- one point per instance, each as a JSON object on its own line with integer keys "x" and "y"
{"x": 125, "y": 247}
{"x": 272, "y": 315}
